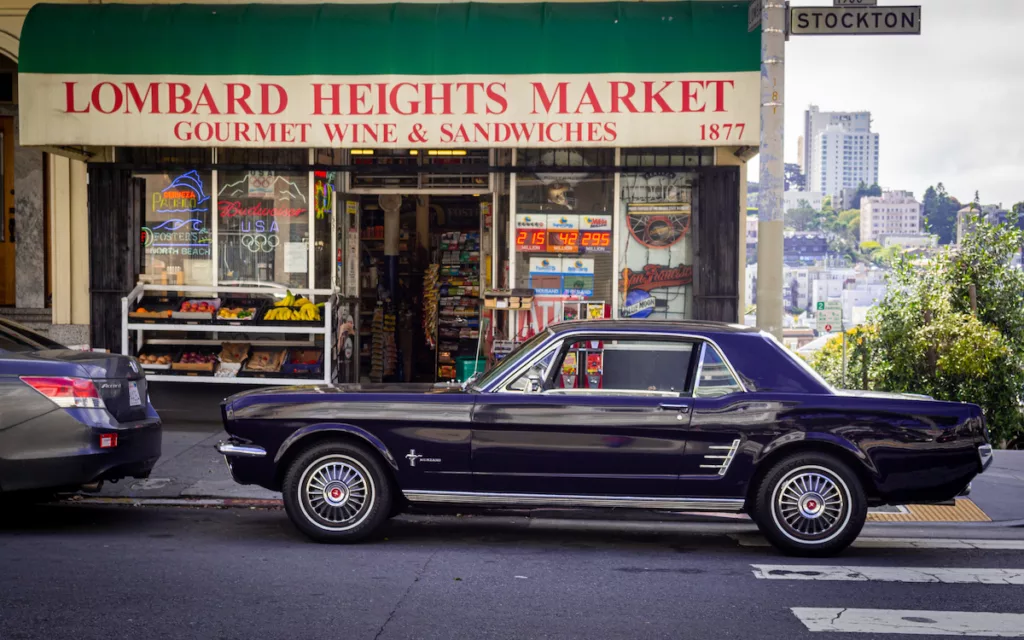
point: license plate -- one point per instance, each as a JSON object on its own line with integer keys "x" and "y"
{"x": 134, "y": 399}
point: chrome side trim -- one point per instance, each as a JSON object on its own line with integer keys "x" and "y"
{"x": 726, "y": 460}
{"x": 543, "y": 500}
{"x": 227, "y": 448}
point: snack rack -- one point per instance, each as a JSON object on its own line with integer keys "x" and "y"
{"x": 458, "y": 301}
{"x": 253, "y": 332}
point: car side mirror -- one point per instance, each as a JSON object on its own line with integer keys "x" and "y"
{"x": 535, "y": 384}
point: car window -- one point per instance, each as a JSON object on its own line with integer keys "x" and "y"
{"x": 538, "y": 369}
{"x": 624, "y": 365}
{"x": 15, "y": 338}
{"x": 512, "y": 360}
{"x": 716, "y": 379}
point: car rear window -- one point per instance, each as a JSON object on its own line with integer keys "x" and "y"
{"x": 18, "y": 339}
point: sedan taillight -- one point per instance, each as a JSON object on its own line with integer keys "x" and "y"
{"x": 68, "y": 393}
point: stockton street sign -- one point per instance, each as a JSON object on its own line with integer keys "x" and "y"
{"x": 854, "y": 19}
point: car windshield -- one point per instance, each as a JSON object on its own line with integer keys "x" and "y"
{"x": 15, "y": 338}
{"x": 510, "y": 361}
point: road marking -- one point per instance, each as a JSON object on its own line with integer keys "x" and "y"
{"x": 888, "y": 574}
{"x": 753, "y": 540}
{"x": 892, "y": 621}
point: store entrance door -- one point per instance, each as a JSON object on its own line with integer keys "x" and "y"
{"x": 419, "y": 290}
{"x": 7, "y": 211}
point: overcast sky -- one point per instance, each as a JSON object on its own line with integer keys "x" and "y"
{"x": 948, "y": 104}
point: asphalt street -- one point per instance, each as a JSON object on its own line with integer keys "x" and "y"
{"x": 144, "y": 572}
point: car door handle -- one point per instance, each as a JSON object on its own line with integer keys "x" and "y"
{"x": 681, "y": 408}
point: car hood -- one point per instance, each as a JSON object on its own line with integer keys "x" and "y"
{"x": 882, "y": 395}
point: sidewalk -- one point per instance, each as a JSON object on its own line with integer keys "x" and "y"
{"x": 191, "y": 468}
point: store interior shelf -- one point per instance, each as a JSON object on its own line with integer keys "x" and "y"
{"x": 220, "y": 328}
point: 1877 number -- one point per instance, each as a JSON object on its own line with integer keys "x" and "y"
{"x": 721, "y": 131}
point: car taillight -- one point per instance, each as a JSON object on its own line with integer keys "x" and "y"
{"x": 68, "y": 393}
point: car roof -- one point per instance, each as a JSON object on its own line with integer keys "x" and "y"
{"x": 640, "y": 326}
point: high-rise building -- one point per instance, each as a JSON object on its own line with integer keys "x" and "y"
{"x": 840, "y": 151}
{"x": 891, "y": 214}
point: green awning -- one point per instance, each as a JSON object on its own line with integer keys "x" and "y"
{"x": 375, "y": 39}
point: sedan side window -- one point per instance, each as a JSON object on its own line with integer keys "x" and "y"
{"x": 625, "y": 366}
{"x": 716, "y": 379}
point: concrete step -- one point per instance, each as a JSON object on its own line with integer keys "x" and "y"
{"x": 26, "y": 316}
{"x": 39, "y": 320}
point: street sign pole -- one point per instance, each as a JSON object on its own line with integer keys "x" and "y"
{"x": 769, "y": 208}
{"x": 842, "y": 327}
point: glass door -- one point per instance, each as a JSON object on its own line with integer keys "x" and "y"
{"x": 346, "y": 218}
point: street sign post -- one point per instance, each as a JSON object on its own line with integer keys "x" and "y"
{"x": 854, "y": 21}
{"x": 829, "y": 316}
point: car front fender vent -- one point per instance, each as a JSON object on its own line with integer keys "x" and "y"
{"x": 722, "y": 458}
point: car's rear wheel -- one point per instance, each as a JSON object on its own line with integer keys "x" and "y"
{"x": 337, "y": 492}
{"x": 810, "y": 504}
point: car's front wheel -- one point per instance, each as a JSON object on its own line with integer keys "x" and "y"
{"x": 810, "y": 504}
{"x": 337, "y": 492}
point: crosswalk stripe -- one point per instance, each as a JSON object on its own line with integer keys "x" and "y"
{"x": 895, "y": 621}
{"x": 752, "y": 540}
{"x": 888, "y": 574}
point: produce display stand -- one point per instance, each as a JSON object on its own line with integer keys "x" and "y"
{"x": 254, "y": 332}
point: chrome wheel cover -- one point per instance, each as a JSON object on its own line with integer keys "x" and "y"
{"x": 811, "y": 505}
{"x": 336, "y": 492}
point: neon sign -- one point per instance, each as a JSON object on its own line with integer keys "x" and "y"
{"x": 185, "y": 194}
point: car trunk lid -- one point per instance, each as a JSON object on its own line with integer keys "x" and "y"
{"x": 119, "y": 380}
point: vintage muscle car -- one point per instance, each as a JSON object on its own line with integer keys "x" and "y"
{"x": 638, "y": 414}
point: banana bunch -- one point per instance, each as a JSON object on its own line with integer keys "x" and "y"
{"x": 299, "y": 312}
{"x": 287, "y": 301}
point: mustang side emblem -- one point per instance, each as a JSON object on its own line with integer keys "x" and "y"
{"x": 413, "y": 457}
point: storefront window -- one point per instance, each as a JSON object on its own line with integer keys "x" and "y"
{"x": 176, "y": 228}
{"x": 263, "y": 228}
{"x": 325, "y": 185}
{"x": 655, "y": 244}
{"x": 563, "y": 234}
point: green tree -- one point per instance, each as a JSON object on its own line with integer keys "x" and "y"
{"x": 801, "y": 219}
{"x": 864, "y": 190}
{"x": 870, "y": 247}
{"x": 927, "y": 337}
{"x": 939, "y": 210}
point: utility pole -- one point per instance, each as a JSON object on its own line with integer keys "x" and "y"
{"x": 769, "y": 207}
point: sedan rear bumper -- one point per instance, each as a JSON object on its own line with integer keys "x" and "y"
{"x": 75, "y": 458}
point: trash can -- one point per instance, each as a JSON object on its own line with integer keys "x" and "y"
{"x": 466, "y": 366}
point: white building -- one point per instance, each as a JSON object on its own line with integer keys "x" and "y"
{"x": 751, "y": 231}
{"x": 840, "y": 151}
{"x": 894, "y": 213}
{"x": 794, "y": 200}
